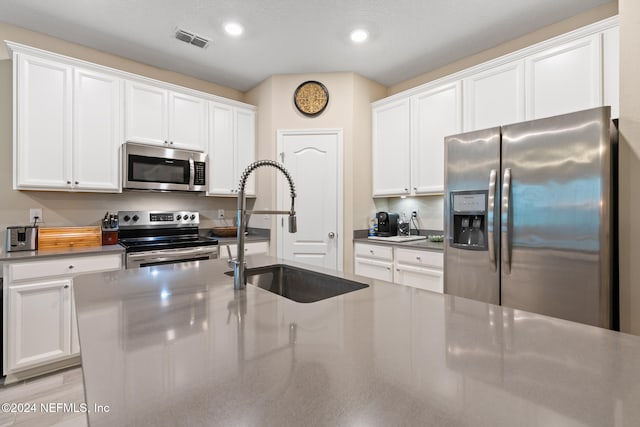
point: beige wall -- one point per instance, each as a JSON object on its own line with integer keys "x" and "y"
{"x": 545, "y": 33}
{"x": 70, "y": 209}
{"x": 349, "y": 109}
{"x": 629, "y": 166}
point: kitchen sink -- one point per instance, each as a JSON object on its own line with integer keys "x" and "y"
{"x": 298, "y": 284}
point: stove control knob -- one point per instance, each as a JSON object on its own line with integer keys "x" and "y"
{"x": 179, "y": 217}
{"x": 193, "y": 217}
{"x": 135, "y": 218}
{"x": 126, "y": 218}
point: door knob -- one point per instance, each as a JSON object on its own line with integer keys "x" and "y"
{"x": 332, "y": 234}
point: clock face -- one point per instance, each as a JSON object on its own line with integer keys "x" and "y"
{"x": 311, "y": 98}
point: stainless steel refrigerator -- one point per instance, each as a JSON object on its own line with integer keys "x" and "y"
{"x": 531, "y": 216}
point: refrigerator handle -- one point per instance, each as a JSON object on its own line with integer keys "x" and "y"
{"x": 504, "y": 231}
{"x": 490, "y": 219}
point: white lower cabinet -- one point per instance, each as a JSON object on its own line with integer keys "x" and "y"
{"x": 40, "y": 326}
{"x": 39, "y": 323}
{"x": 411, "y": 267}
{"x": 420, "y": 269}
{"x": 374, "y": 261}
{"x": 253, "y": 248}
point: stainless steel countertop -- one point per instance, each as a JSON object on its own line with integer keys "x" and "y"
{"x": 176, "y": 345}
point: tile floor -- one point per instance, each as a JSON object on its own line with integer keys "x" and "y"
{"x": 59, "y": 387}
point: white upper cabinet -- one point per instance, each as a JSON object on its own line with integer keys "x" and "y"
{"x": 231, "y": 148}
{"x": 187, "y": 121}
{"x": 434, "y": 115}
{"x": 611, "y": 70}
{"x": 155, "y": 115}
{"x": 97, "y": 131}
{"x": 391, "y": 142}
{"x": 494, "y": 97}
{"x": 146, "y": 113}
{"x": 42, "y": 123}
{"x": 68, "y": 127}
{"x": 564, "y": 78}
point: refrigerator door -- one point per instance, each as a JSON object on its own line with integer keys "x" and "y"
{"x": 556, "y": 216}
{"x": 471, "y": 222}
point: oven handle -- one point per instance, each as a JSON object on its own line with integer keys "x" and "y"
{"x": 170, "y": 254}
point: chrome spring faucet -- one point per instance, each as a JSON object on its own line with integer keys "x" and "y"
{"x": 239, "y": 263}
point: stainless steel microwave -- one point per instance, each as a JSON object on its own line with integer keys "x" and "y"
{"x": 150, "y": 167}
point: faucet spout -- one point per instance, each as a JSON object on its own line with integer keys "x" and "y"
{"x": 239, "y": 264}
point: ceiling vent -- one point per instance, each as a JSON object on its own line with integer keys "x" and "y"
{"x": 191, "y": 38}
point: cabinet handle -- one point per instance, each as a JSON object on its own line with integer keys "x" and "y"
{"x": 71, "y": 267}
{"x": 418, "y": 258}
{"x": 170, "y": 142}
{"x": 388, "y": 268}
{"x": 371, "y": 251}
{"x": 68, "y": 182}
{"x": 397, "y": 269}
{"x": 415, "y": 188}
{"x": 406, "y": 190}
{"x": 66, "y": 286}
{"x": 77, "y": 183}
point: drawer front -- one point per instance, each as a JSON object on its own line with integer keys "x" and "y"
{"x": 374, "y": 251}
{"x": 419, "y": 258}
{"x": 422, "y": 278}
{"x": 66, "y": 266}
{"x": 374, "y": 269}
{"x": 253, "y": 248}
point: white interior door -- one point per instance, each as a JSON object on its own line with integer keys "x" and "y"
{"x": 314, "y": 160}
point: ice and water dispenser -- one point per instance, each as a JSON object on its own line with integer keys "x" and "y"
{"x": 469, "y": 219}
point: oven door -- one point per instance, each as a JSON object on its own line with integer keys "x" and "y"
{"x": 170, "y": 256}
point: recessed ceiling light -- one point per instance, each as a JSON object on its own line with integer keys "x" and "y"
{"x": 233, "y": 29}
{"x": 359, "y": 35}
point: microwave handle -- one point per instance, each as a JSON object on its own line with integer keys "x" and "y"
{"x": 192, "y": 172}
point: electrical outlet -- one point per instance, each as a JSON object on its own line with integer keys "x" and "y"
{"x": 220, "y": 213}
{"x": 414, "y": 214}
{"x": 33, "y": 213}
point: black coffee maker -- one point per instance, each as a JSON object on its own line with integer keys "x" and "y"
{"x": 387, "y": 224}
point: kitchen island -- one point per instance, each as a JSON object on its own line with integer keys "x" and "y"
{"x": 176, "y": 345}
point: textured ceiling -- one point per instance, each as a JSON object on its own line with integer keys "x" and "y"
{"x": 407, "y": 37}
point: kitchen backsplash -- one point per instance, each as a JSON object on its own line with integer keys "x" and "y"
{"x": 430, "y": 209}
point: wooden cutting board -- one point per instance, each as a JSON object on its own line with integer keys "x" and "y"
{"x": 69, "y": 237}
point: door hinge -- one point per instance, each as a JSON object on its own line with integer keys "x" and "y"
{"x": 281, "y": 222}
{"x": 282, "y": 157}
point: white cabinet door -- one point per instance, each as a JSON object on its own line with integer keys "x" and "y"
{"x": 42, "y": 146}
{"x": 374, "y": 269}
{"x": 564, "y": 79}
{"x": 417, "y": 277}
{"x": 187, "y": 122}
{"x": 97, "y": 131}
{"x": 39, "y": 324}
{"x": 245, "y": 144}
{"x": 232, "y": 147}
{"x": 75, "y": 338}
{"x": 222, "y": 179}
{"x": 146, "y": 113}
{"x": 494, "y": 97}
{"x": 611, "y": 70}
{"x": 435, "y": 114}
{"x": 391, "y": 139}
{"x": 419, "y": 269}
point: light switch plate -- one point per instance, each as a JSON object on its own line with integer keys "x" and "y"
{"x": 220, "y": 213}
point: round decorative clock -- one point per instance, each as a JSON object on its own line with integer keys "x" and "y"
{"x": 311, "y": 98}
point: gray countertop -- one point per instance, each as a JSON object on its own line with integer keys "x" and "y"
{"x": 176, "y": 345}
{"x": 30, "y": 255}
{"x": 414, "y": 244}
